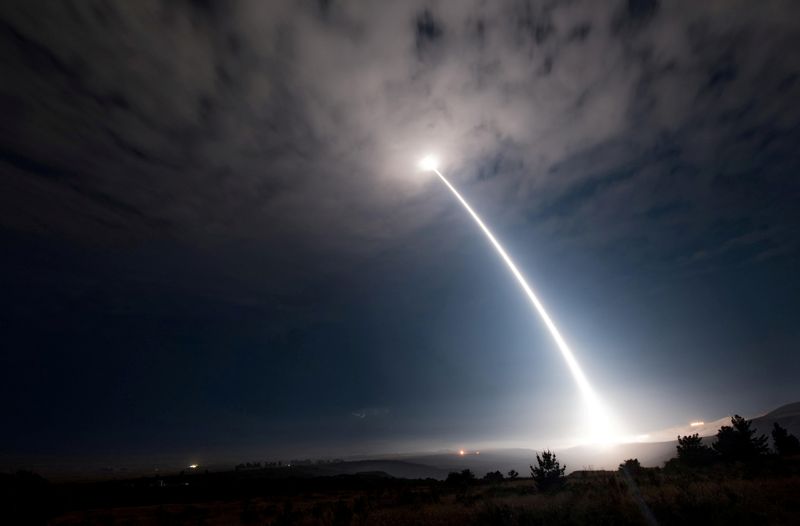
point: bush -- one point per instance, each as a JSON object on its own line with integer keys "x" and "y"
{"x": 692, "y": 451}
{"x": 632, "y": 466}
{"x": 463, "y": 478}
{"x": 548, "y": 474}
{"x": 494, "y": 477}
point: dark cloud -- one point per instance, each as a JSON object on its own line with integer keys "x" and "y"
{"x": 428, "y": 30}
{"x": 642, "y": 9}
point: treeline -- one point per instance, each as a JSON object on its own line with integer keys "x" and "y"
{"x": 244, "y": 466}
{"x": 737, "y": 442}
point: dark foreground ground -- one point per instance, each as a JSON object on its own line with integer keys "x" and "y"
{"x": 721, "y": 495}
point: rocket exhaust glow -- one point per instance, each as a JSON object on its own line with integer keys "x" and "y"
{"x": 600, "y": 425}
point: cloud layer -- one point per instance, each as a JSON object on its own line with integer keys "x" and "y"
{"x": 295, "y": 119}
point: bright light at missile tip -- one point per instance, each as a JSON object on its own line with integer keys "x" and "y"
{"x": 697, "y": 424}
{"x": 461, "y": 452}
{"x": 193, "y": 466}
{"x": 429, "y": 163}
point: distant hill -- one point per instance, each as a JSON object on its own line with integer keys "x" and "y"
{"x": 788, "y": 410}
{"x": 787, "y": 416}
{"x": 394, "y": 468}
{"x": 364, "y": 468}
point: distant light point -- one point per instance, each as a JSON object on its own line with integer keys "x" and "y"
{"x": 461, "y": 452}
{"x": 697, "y": 424}
{"x": 193, "y": 466}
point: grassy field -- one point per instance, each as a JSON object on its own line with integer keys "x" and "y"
{"x": 722, "y": 495}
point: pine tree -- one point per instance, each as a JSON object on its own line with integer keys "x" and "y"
{"x": 738, "y": 441}
{"x": 692, "y": 451}
{"x": 786, "y": 444}
{"x": 548, "y": 474}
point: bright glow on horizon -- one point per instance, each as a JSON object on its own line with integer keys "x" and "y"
{"x": 601, "y": 428}
{"x": 461, "y": 452}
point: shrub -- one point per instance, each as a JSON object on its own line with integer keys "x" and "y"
{"x": 342, "y": 514}
{"x": 692, "y": 451}
{"x": 463, "y": 478}
{"x": 632, "y": 466}
{"x": 548, "y": 474}
{"x": 494, "y": 477}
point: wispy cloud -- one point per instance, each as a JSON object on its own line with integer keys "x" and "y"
{"x": 285, "y": 121}
{"x": 371, "y": 412}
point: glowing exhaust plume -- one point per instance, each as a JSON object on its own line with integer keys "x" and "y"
{"x": 601, "y": 428}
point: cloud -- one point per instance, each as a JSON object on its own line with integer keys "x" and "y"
{"x": 371, "y": 412}
{"x": 285, "y": 121}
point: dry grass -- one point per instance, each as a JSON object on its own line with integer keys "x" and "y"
{"x": 595, "y": 498}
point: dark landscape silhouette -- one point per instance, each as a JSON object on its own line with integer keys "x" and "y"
{"x": 737, "y": 476}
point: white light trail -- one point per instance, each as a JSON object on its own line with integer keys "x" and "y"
{"x": 601, "y": 429}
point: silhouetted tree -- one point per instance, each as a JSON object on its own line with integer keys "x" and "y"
{"x": 738, "y": 441}
{"x": 513, "y": 474}
{"x": 494, "y": 477}
{"x": 463, "y": 478}
{"x": 692, "y": 451}
{"x": 548, "y": 474}
{"x": 632, "y": 466}
{"x": 786, "y": 444}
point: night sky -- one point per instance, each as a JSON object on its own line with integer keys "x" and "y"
{"x": 215, "y": 241}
